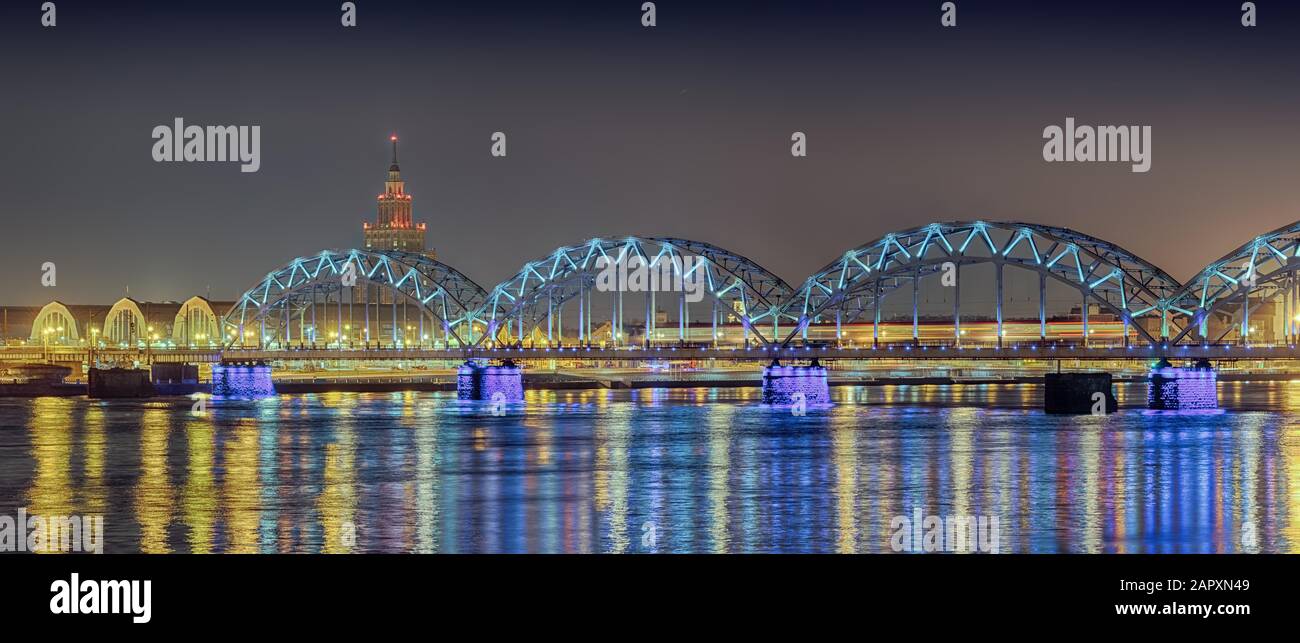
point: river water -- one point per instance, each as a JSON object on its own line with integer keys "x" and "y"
{"x": 698, "y": 470}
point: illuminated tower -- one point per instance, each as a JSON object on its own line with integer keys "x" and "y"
{"x": 394, "y": 227}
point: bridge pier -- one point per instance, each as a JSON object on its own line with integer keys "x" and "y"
{"x": 1171, "y": 388}
{"x": 504, "y": 383}
{"x": 242, "y": 380}
{"x": 787, "y": 384}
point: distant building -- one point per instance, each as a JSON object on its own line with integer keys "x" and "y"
{"x": 395, "y": 227}
{"x": 126, "y": 323}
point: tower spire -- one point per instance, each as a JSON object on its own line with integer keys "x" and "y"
{"x": 394, "y": 172}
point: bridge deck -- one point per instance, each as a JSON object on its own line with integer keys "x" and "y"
{"x": 891, "y": 352}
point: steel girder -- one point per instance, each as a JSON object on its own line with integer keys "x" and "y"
{"x": 1106, "y": 274}
{"x": 1256, "y": 272}
{"x": 733, "y": 283}
{"x": 433, "y": 287}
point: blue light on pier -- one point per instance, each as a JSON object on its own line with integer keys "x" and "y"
{"x": 479, "y": 382}
{"x": 780, "y": 383}
{"x": 1171, "y": 388}
{"x": 243, "y": 381}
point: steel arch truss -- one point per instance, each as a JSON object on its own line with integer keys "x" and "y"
{"x": 1241, "y": 284}
{"x": 528, "y": 302}
{"x": 1104, "y": 273}
{"x": 434, "y": 288}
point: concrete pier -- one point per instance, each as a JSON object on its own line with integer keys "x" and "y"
{"x": 475, "y": 381}
{"x": 1172, "y": 388}
{"x": 783, "y": 384}
{"x": 242, "y": 380}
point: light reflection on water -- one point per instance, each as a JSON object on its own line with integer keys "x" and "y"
{"x": 699, "y": 470}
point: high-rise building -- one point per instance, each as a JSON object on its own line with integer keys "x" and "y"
{"x": 395, "y": 227}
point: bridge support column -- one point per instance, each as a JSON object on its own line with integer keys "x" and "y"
{"x": 998, "y": 271}
{"x": 956, "y": 305}
{"x": 875, "y": 324}
{"x": 1083, "y": 312}
{"x": 682, "y": 313}
{"x": 916, "y": 314}
{"x": 715, "y": 323}
{"x": 1295, "y": 312}
{"x": 1042, "y": 307}
{"x": 1286, "y": 312}
{"x": 1245, "y": 316}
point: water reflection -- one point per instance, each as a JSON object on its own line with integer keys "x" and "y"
{"x": 706, "y": 470}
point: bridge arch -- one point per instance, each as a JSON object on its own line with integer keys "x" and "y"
{"x": 1250, "y": 295}
{"x": 353, "y": 298}
{"x": 54, "y": 324}
{"x": 858, "y": 282}
{"x": 125, "y": 323}
{"x": 691, "y": 275}
{"x": 196, "y": 324}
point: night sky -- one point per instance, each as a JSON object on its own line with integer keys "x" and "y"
{"x": 615, "y": 129}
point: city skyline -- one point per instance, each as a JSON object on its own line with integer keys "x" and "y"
{"x": 679, "y": 131}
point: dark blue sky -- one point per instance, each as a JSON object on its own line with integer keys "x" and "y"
{"x": 614, "y": 129}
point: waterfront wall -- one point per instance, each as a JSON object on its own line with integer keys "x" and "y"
{"x": 1073, "y": 393}
{"x": 119, "y": 382}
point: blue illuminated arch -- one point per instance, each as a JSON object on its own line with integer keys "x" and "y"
{"x": 854, "y": 283}
{"x": 536, "y": 295}
{"x": 268, "y": 310}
